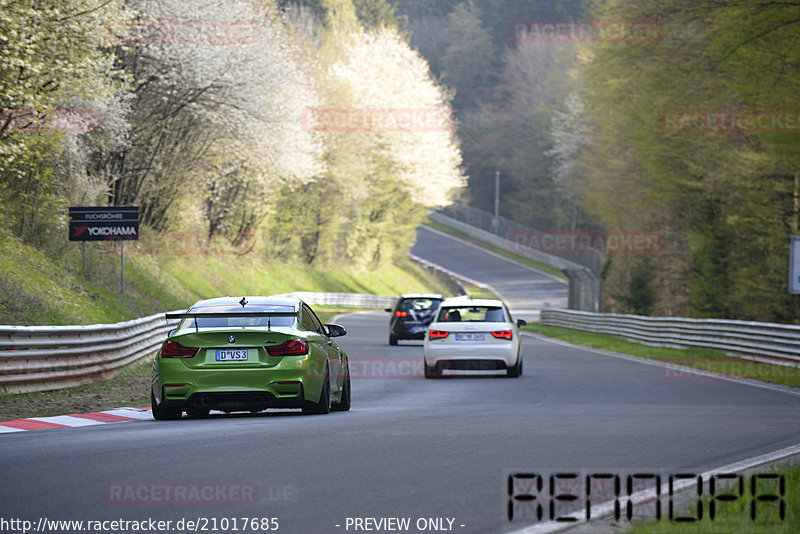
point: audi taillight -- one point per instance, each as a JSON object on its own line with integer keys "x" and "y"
{"x": 437, "y": 334}
{"x": 293, "y": 347}
{"x": 172, "y": 349}
{"x": 503, "y": 334}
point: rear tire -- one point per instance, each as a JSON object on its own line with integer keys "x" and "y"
{"x": 324, "y": 404}
{"x": 164, "y": 412}
{"x": 392, "y": 339}
{"x": 515, "y": 370}
{"x": 431, "y": 372}
{"x": 197, "y": 413}
{"x": 344, "y": 401}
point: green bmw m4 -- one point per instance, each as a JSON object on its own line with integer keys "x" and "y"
{"x": 249, "y": 355}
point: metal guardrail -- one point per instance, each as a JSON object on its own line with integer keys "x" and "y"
{"x": 361, "y": 300}
{"x": 447, "y": 275}
{"x": 769, "y": 342}
{"x": 41, "y": 358}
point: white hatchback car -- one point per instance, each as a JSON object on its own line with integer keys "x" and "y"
{"x": 473, "y": 334}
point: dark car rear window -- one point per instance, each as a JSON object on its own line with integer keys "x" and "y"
{"x": 418, "y": 304}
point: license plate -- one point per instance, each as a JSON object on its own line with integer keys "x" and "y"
{"x": 232, "y": 355}
{"x": 469, "y": 337}
{"x": 417, "y": 329}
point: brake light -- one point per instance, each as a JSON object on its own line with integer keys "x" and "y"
{"x": 293, "y": 347}
{"x": 171, "y": 349}
{"x": 503, "y": 334}
{"x": 400, "y": 314}
{"x": 438, "y": 334}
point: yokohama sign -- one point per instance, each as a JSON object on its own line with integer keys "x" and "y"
{"x": 103, "y": 223}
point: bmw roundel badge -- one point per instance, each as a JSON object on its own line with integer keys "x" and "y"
{"x": 231, "y": 339}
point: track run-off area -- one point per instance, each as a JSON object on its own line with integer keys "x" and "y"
{"x": 413, "y": 454}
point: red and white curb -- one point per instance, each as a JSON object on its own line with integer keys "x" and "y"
{"x": 117, "y": 415}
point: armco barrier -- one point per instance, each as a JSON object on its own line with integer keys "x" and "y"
{"x": 451, "y": 280}
{"x": 361, "y": 300}
{"x": 41, "y": 358}
{"x": 775, "y": 343}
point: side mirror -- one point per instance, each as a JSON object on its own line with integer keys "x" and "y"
{"x": 521, "y": 322}
{"x": 171, "y": 332}
{"x": 335, "y": 330}
{"x": 388, "y": 310}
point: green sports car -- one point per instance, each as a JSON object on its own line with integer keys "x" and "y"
{"x": 249, "y": 355}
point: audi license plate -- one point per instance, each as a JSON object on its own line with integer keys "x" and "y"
{"x": 238, "y": 355}
{"x": 469, "y": 337}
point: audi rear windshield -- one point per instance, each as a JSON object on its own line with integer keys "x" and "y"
{"x": 477, "y": 314}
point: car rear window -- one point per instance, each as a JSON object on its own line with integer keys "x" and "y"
{"x": 239, "y": 322}
{"x": 418, "y": 304}
{"x": 476, "y": 314}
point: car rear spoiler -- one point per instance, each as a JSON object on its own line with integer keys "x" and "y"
{"x": 195, "y": 315}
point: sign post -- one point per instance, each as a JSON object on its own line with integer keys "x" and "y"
{"x": 104, "y": 223}
{"x": 794, "y": 266}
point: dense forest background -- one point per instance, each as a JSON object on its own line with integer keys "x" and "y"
{"x": 216, "y": 138}
{"x": 577, "y": 131}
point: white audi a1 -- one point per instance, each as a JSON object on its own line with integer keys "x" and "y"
{"x": 473, "y": 334}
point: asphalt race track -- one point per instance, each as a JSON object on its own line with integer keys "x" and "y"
{"x": 437, "y": 450}
{"x": 525, "y": 290}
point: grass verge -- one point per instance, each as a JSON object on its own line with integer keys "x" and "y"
{"x": 129, "y": 388}
{"x": 37, "y": 288}
{"x": 494, "y": 248}
{"x": 736, "y": 516}
{"x": 698, "y": 359}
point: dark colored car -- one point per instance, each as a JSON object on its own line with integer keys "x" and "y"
{"x": 411, "y": 316}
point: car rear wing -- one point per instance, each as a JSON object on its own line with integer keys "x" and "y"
{"x": 192, "y": 315}
{"x": 222, "y": 315}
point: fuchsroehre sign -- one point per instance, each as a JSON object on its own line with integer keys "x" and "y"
{"x": 103, "y": 223}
